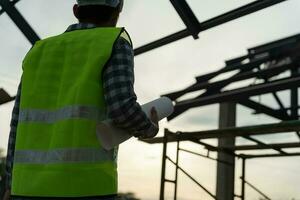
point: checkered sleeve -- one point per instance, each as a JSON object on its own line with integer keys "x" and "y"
{"x": 118, "y": 84}
{"x": 12, "y": 139}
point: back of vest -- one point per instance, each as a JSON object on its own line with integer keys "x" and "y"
{"x": 57, "y": 153}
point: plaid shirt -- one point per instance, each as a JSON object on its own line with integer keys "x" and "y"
{"x": 122, "y": 108}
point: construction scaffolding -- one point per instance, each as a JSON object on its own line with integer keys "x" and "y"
{"x": 266, "y": 63}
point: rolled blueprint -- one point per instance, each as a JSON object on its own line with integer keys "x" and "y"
{"x": 110, "y": 136}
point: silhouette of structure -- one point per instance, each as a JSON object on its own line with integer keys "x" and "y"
{"x": 266, "y": 63}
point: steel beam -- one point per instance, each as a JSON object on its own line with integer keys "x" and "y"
{"x": 225, "y": 173}
{"x": 5, "y": 97}
{"x": 202, "y": 81}
{"x": 216, "y": 21}
{"x": 237, "y": 60}
{"x": 270, "y": 155}
{"x": 187, "y": 16}
{"x": 269, "y": 46}
{"x": 264, "y": 144}
{"x": 239, "y": 94}
{"x": 19, "y": 20}
{"x": 294, "y": 95}
{"x": 279, "y": 102}
{"x": 238, "y": 77}
{"x": 282, "y": 127}
{"x": 9, "y": 100}
{"x": 205, "y": 156}
{"x": 298, "y": 134}
{"x": 12, "y": 1}
{"x": 259, "y": 108}
{"x": 162, "y": 42}
{"x": 259, "y": 147}
{"x": 213, "y": 148}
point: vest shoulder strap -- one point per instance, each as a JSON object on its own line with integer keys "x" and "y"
{"x": 126, "y": 36}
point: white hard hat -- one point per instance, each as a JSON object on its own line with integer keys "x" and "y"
{"x": 110, "y": 3}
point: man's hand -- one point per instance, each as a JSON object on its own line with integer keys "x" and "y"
{"x": 154, "y": 116}
{"x": 6, "y": 195}
{"x": 152, "y": 132}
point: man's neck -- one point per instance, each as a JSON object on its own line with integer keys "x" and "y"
{"x": 106, "y": 24}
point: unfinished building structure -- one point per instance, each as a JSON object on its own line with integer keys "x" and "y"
{"x": 265, "y": 63}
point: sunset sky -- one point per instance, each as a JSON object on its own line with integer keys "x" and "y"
{"x": 168, "y": 69}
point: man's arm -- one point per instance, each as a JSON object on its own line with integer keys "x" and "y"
{"x": 118, "y": 81}
{"x": 12, "y": 140}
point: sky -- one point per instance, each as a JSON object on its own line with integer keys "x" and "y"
{"x": 168, "y": 69}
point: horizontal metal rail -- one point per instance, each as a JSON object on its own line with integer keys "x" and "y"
{"x": 213, "y": 148}
{"x": 259, "y": 147}
{"x": 249, "y": 156}
{"x": 206, "y": 156}
{"x": 275, "y": 128}
{"x": 264, "y": 144}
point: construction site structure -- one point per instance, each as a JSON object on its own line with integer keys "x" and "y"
{"x": 265, "y": 63}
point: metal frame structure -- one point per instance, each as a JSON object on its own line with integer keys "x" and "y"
{"x": 194, "y": 27}
{"x": 262, "y": 63}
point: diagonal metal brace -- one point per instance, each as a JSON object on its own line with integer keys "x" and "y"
{"x": 187, "y": 16}
{"x": 19, "y": 20}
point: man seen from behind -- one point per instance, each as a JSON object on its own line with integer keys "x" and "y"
{"x": 70, "y": 83}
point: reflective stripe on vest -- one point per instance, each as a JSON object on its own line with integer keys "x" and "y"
{"x": 69, "y": 112}
{"x": 61, "y": 103}
{"x": 63, "y": 156}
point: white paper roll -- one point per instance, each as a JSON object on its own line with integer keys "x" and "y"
{"x": 110, "y": 136}
{"x": 163, "y": 106}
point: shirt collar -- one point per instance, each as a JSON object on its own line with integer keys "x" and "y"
{"x": 80, "y": 26}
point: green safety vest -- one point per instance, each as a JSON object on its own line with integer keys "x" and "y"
{"x": 57, "y": 153}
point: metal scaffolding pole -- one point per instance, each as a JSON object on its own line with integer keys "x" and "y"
{"x": 163, "y": 167}
{"x": 294, "y": 96}
{"x": 225, "y": 173}
{"x": 243, "y": 177}
{"x": 176, "y": 170}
